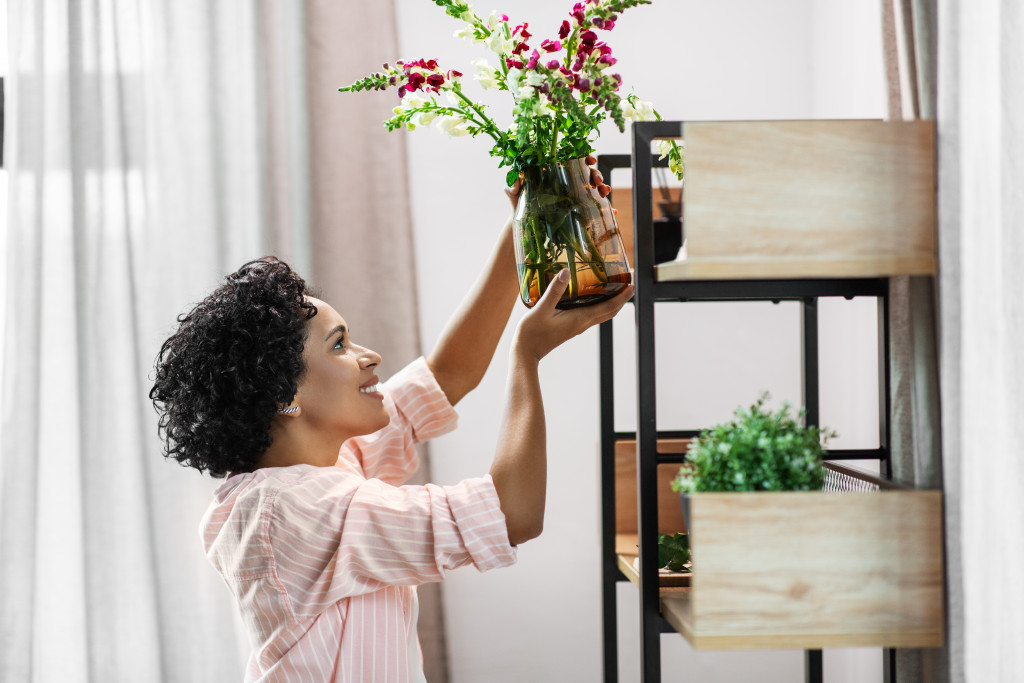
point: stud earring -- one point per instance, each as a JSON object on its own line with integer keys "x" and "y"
{"x": 288, "y": 411}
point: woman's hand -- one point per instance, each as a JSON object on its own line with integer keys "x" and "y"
{"x": 545, "y": 327}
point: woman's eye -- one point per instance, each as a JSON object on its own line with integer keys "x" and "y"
{"x": 340, "y": 344}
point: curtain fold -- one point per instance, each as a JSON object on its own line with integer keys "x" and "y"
{"x": 963, "y": 62}
{"x": 909, "y": 27}
{"x": 153, "y": 147}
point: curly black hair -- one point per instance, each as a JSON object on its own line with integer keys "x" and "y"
{"x": 234, "y": 359}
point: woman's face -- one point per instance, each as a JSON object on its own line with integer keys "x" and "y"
{"x": 339, "y": 394}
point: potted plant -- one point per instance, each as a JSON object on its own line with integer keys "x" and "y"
{"x": 562, "y": 87}
{"x": 786, "y": 563}
{"x": 759, "y": 450}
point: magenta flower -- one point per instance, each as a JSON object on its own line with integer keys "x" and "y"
{"x": 588, "y": 37}
{"x": 534, "y": 58}
{"x": 564, "y": 31}
{"x": 435, "y": 81}
{"x": 553, "y": 64}
{"x": 551, "y": 45}
{"x": 577, "y": 12}
{"x": 416, "y": 79}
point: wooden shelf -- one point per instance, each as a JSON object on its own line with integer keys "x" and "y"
{"x": 740, "y": 269}
{"x": 813, "y": 570}
{"x": 807, "y": 199}
{"x": 675, "y": 583}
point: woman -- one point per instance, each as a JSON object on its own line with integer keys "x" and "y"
{"x": 313, "y": 531}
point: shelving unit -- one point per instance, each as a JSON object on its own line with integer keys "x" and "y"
{"x": 882, "y": 225}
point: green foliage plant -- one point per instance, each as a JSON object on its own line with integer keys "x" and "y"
{"x": 757, "y": 451}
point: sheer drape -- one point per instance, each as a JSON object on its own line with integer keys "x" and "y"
{"x": 152, "y": 147}
{"x": 961, "y": 62}
{"x": 981, "y": 235}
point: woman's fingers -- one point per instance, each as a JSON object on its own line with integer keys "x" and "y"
{"x": 513, "y": 192}
{"x": 555, "y": 290}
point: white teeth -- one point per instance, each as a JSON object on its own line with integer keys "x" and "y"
{"x": 371, "y": 389}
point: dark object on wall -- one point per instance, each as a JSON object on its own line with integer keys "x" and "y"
{"x": 668, "y": 232}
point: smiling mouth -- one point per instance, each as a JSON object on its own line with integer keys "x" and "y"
{"x": 372, "y": 389}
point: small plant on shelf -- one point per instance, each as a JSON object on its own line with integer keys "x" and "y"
{"x": 674, "y": 552}
{"x": 757, "y": 451}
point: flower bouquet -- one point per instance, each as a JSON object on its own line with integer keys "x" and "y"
{"x": 562, "y": 88}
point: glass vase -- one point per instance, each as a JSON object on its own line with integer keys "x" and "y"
{"x": 562, "y": 221}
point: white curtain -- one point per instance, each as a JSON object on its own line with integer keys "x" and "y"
{"x": 143, "y": 165}
{"x": 981, "y": 249}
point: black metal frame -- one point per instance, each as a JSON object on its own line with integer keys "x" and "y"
{"x": 648, "y": 292}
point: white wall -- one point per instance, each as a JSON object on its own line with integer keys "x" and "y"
{"x": 733, "y": 59}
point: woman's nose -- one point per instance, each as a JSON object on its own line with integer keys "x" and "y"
{"x": 368, "y": 358}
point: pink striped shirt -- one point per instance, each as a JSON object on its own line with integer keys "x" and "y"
{"x": 323, "y": 561}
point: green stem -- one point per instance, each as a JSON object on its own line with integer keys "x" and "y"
{"x": 488, "y": 125}
{"x": 554, "y": 137}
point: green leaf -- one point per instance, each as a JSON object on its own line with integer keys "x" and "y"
{"x": 511, "y": 176}
{"x": 673, "y": 551}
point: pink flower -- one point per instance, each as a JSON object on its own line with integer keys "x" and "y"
{"x": 577, "y": 12}
{"x": 607, "y": 59}
{"x": 553, "y": 64}
{"x": 510, "y": 63}
{"x": 564, "y": 31}
{"x": 551, "y": 45}
{"x": 416, "y": 79}
{"x": 588, "y": 36}
{"x": 454, "y": 74}
{"x": 520, "y": 48}
{"x": 584, "y": 85}
{"x": 522, "y": 27}
{"x": 534, "y": 58}
{"x": 435, "y": 80}
{"x": 609, "y": 25}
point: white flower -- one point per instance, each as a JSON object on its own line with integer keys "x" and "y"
{"x": 467, "y": 16}
{"x": 664, "y": 147}
{"x": 525, "y": 92}
{"x": 410, "y": 101}
{"x": 454, "y": 126}
{"x": 467, "y": 33}
{"x": 542, "y": 107}
{"x": 501, "y": 45}
{"x": 486, "y": 74}
{"x": 512, "y": 78}
{"x": 535, "y": 79}
{"x": 493, "y": 20}
{"x": 423, "y": 118}
{"x": 641, "y": 111}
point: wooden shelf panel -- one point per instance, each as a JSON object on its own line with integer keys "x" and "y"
{"x": 748, "y": 269}
{"x": 814, "y": 570}
{"x": 807, "y": 199}
{"x": 625, "y": 549}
